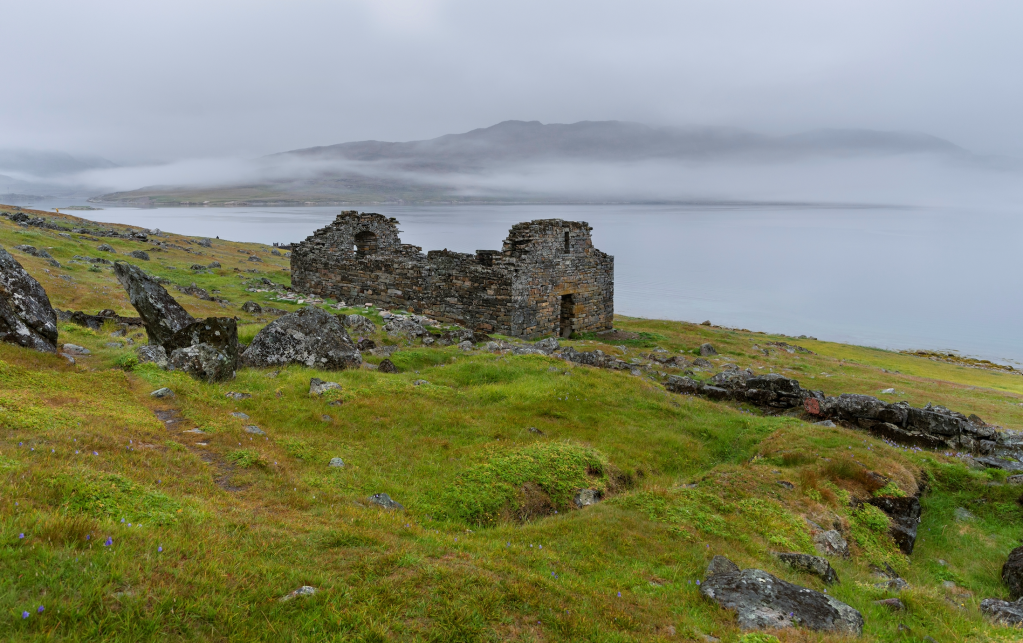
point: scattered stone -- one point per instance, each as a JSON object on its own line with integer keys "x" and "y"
{"x": 336, "y": 462}
{"x": 893, "y": 604}
{"x": 104, "y": 247}
{"x": 763, "y": 601}
{"x": 535, "y": 430}
{"x": 305, "y": 590}
{"x": 275, "y": 252}
{"x": 548, "y": 345}
{"x": 75, "y": 349}
{"x": 312, "y": 337}
{"x": 788, "y": 485}
{"x": 702, "y": 363}
{"x": 360, "y": 325}
{"x": 253, "y": 429}
{"x": 205, "y": 243}
{"x": 205, "y": 361}
{"x": 707, "y": 350}
{"x": 1001, "y": 611}
{"x": 255, "y": 259}
{"x": 162, "y": 392}
{"x": 234, "y": 395}
{"x": 962, "y": 514}
{"x": 586, "y": 497}
{"x": 26, "y": 316}
{"x": 252, "y": 307}
{"x": 1012, "y": 573}
{"x": 828, "y": 542}
{"x": 96, "y": 322}
{"x": 366, "y": 345}
{"x": 890, "y": 580}
{"x": 240, "y": 415}
{"x": 419, "y": 382}
{"x": 810, "y": 564}
{"x": 387, "y": 366}
{"x": 139, "y": 254}
{"x": 385, "y": 501}
{"x": 113, "y": 345}
{"x": 465, "y": 346}
{"x": 152, "y": 353}
{"x": 213, "y": 264}
{"x": 326, "y": 418}
{"x": 826, "y": 423}
{"x": 706, "y": 323}
{"x": 888, "y": 391}
{"x": 319, "y": 387}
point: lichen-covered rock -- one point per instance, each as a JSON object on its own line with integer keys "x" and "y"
{"x": 811, "y": 564}
{"x": 707, "y": 350}
{"x": 140, "y": 254}
{"x": 1001, "y": 611}
{"x": 387, "y": 366}
{"x": 385, "y": 501}
{"x": 403, "y": 327}
{"x": 152, "y": 353}
{"x": 683, "y": 385}
{"x": 319, "y": 387}
{"x": 26, "y": 316}
{"x": 548, "y": 345}
{"x": 312, "y": 337}
{"x": 161, "y": 314}
{"x": 1012, "y": 573}
{"x": 252, "y": 307}
{"x": 203, "y": 362}
{"x": 586, "y": 497}
{"x": 763, "y": 601}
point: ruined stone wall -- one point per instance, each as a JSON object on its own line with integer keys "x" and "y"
{"x": 549, "y": 267}
{"x": 517, "y": 291}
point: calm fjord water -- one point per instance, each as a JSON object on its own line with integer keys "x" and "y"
{"x": 887, "y": 277}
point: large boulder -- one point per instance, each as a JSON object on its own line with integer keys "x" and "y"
{"x": 1012, "y": 573}
{"x": 905, "y": 515}
{"x": 312, "y": 337}
{"x": 1003, "y": 612}
{"x": 207, "y": 349}
{"x": 26, "y": 317}
{"x": 161, "y": 314}
{"x": 763, "y": 601}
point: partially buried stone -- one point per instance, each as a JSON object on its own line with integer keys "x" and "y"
{"x": 336, "y": 462}
{"x": 360, "y": 325}
{"x": 1001, "y": 611}
{"x": 763, "y": 601}
{"x": 707, "y": 349}
{"x": 162, "y": 392}
{"x": 75, "y": 349}
{"x": 419, "y": 382}
{"x": 385, "y": 501}
{"x": 811, "y": 564}
{"x": 319, "y": 387}
{"x": 252, "y": 307}
{"x": 893, "y": 604}
{"x": 140, "y": 254}
{"x": 826, "y": 423}
{"x": 253, "y": 429}
{"x": 234, "y": 395}
{"x": 152, "y": 353}
{"x": 105, "y": 247}
{"x": 586, "y": 497}
{"x": 305, "y": 590}
{"x": 213, "y": 264}
{"x": 387, "y": 366}
{"x": 240, "y": 415}
{"x": 1012, "y": 573}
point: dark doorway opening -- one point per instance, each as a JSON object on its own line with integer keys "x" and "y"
{"x": 567, "y": 315}
{"x": 365, "y": 243}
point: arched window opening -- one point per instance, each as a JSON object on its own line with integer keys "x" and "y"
{"x": 365, "y": 243}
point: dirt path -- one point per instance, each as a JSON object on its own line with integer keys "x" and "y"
{"x": 176, "y": 429}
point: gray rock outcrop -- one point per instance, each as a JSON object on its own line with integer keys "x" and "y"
{"x": 385, "y": 501}
{"x": 1012, "y": 573}
{"x": 763, "y": 601}
{"x": 26, "y": 316}
{"x": 312, "y": 337}
{"x": 905, "y": 515}
{"x": 1003, "y": 612}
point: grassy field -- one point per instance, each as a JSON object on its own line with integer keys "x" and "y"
{"x": 118, "y": 521}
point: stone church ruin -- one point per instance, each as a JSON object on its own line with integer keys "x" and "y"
{"x": 548, "y": 279}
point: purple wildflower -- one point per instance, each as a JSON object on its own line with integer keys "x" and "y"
{"x": 24, "y": 615}
{"x": 40, "y": 610}
{"x": 619, "y": 594}
{"x": 159, "y": 549}
{"x": 697, "y": 581}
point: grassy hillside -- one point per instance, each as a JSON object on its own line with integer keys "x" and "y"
{"x": 122, "y": 522}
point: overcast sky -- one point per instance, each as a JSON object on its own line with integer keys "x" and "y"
{"x": 151, "y": 81}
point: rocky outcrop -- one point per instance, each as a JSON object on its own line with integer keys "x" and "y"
{"x": 161, "y": 314}
{"x": 312, "y": 337}
{"x": 26, "y": 317}
{"x": 905, "y": 515}
{"x": 763, "y": 601}
{"x": 594, "y": 358}
{"x": 95, "y": 322}
{"x": 1012, "y": 573}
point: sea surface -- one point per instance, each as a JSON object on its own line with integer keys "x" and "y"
{"x": 890, "y": 277}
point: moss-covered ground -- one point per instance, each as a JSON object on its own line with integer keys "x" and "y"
{"x": 118, "y": 521}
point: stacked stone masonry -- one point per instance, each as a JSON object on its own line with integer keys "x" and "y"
{"x": 547, "y": 279}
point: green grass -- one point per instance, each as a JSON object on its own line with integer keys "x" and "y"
{"x": 490, "y": 545}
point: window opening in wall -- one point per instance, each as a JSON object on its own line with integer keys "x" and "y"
{"x": 365, "y": 243}
{"x": 567, "y": 315}
{"x": 568, "y": 247}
